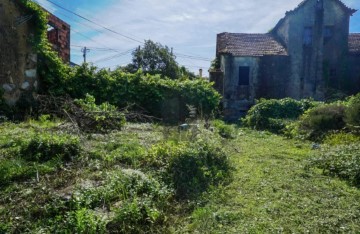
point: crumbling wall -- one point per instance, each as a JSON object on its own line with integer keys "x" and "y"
{"x": 18, "y": 61}
{"x": 59, "y": 36}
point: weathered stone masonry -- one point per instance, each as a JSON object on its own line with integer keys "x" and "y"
{"x": 18, "y": 60}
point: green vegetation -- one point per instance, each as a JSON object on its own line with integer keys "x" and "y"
{"x": 154, "y": 83}
{"x": 157, "y": 96}
{"x": 157, "y": 179}
{"x": 99, "y": 118}
{"x": 97, "y": 173}
{"x": 156, "y": 59}
{"x": 318, "y": 121}
{"x": 190, "y": 167}
{"x": 273, "y": 115}
{"x": 275, "y": 191}
{"x": 225, "y": 130}
{"x": 353, "y": 112}
{"x": 342, "y": 161}
{"x": 145, "y": 178}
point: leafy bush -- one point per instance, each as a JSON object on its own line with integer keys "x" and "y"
{"x": 271, "y": 114}
{"x": 44, "y": 147}
{"x": 99, "y": 118}
{"x": 225, "y": 130}
{"x": 190, "y": 167}
{"x": 342, "y": 161}
{"x": 341, "y": 138}
{"x": 316, "y": 122}
{"x": 353, "y": 112}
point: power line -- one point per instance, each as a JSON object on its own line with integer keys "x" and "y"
{"x": 192, "y": 57}
{"x": 95, "y": 48}
{"x": 114, "y": 56}
{"x": 91, "y": 21}
{"x": 83, "y": 35}
{"x": 86, "y": 25}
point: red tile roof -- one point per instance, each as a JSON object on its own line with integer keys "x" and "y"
{"x": 253, "y": 45}
{"x": 354, "y": 43}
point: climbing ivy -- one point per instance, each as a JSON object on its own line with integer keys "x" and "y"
{"x": 52, "y": 71}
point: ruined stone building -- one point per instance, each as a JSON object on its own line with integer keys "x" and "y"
{"x": 307, "y": 54}
{"x": 18, "y": 58}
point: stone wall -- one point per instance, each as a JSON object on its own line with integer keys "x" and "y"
{"x": 18, "y": 61}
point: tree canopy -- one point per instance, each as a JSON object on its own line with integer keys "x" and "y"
{"x": 154, "y": 58}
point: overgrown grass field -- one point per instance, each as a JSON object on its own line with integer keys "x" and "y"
{"x": 149, "y": 178}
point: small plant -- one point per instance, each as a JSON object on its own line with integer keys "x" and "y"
{"x": 136, "y": 216}
{"x": 225, "y": 130}
{"x": 44, "y": 147}
{"x": 342, "y": 161}
{"x": 341, "y": 138}
{"x": 353, "y": 113}
{"x": 84, "y": 221}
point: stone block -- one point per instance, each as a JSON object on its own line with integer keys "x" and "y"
{"x": 25, "y": 85}
{"x": 8, "y": 87}
{"x": 31, "y": 73}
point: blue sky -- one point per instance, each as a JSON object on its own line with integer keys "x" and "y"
{"x": 188, "y": 26}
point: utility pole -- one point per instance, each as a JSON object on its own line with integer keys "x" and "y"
{"x": 85, "y": 51}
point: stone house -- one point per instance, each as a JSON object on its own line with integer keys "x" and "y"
{"x": 309, "y": 53}
{"x": 18, "y": 59}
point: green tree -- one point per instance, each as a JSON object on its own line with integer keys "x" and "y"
{"x": 154, "y": 58}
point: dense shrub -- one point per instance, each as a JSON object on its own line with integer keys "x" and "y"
{"x": 44, "y": 147}
{"x": 353, "y": 112}
{"x": 342, "y": 161}
{"x": 318, "y": 121}
{"x": 149, "y": 93}
{"x": 190, "y": 167}
{"x": 225, "y": 130}
{"x": 272, "y": 114}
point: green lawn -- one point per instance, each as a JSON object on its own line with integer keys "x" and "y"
{"x": 274, "y": 192}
